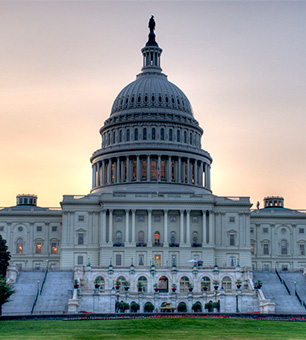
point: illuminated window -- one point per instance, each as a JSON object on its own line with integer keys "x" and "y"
{"x": 156, "y": 237}
{"x": 19, "y": 246}
{"x": 192, "y": 173}
{"x": 144, "y": 169}
{"x": 172, "y": 170}
{"x": 38, "y": 248}
{"x": 153, "y": 169}
{"x": 134, "y": 170}
{"x": 184, "y": 282}
{"x": 163, "y": 170}
{"x": 53, "y": 248}
{"x": 106, "y": 172}
{"x": 157, "y": 260}
{"x": 252, "y": 248}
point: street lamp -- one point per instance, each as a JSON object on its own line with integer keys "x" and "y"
{"x": 117, "y": 299}
{"x": 237, "y": 309}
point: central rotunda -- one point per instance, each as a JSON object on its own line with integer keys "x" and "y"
{"x": 151, "y": 232}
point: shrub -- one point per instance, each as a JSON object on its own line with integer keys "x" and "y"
{"x": 182, "y": 307}
{"x": 209, "y": 306}
{"x": 196, "y": 307}
{"x": 122, "y": 306}
{"x": 148, "y": 307}
{"x": 134, "y": 307}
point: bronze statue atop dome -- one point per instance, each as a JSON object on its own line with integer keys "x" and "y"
{"x": 152, "y": 24}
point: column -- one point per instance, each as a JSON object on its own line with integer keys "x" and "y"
{"x": 103, "y": 226}
{"x": 93, "y": 176}
{"x": 205, "y": 175}
{"x": 179, "y": 180}
{"x": 110, "y": 229}
{"x": 223, "y": 231}
{"x": 71, "y": 226}
{"x": 165, "y": 228}
{"x": 181, "y": 227}
{"x": 103, "y": 172}
{"x": 128, "y": 177}
{"x": 188, "y": 228}
{"x": 98, "y": 175}
{"x": 201, "y": 174}
{"x": 204, "y": 227}
{"x": 195, "y": 168}
{"x": 118, "y": 170}
{"x": 159, "y": 167}
{"x": 148, "y": 168}
{"x": 247, "y": 230}
{"x": 149, "y": 228}
{"x": 138, "y": 169}
{"x": 64, "y": 228}
{"x": 169, "y": 169}
{"x": 209, "y": 184}
{"x": 211, "y": 228}
{"x": 133, "y": 228}
{"x": 90, "y": 229}
{"x": 188, "y": 170}
{"x": 127, "y": 216}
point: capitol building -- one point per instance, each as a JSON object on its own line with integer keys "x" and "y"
{"x": 151, "y": 231}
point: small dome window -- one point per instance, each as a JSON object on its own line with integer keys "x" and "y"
{"x": 132, "y": 100}
{"x": 126, "y": 101}
{"x": 178, "y": 101}
{"x": 160, "y": 99}
{"x": 146, "y": 98}
{"x": 138, "y": 99}
{"x": 183, "y": 102}
{"x": 153, "y": 99}
{"x": 167, "y": 99}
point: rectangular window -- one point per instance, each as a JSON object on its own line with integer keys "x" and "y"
{"x": 81, "y": 218}
{"x": 118, "y": 260}
{"x": 39, "y": 228}
{"x": 144, "y": 169}
{"x": 232, "y": 219}
{"x": 265, "y": 230}
{"x": 38, "y": 248}
{"x": 141, "y": 260}
{"x": 173, "y": 260}
{"x": 195, "y": 219}
{"x": 53, "y": 248}
{"x": 265, "y": 267}
{"x": 232, "y": 261}
{"x": 80, "y": 238}
{"x": 54, "y": 229}
{"x": 153, "y": 134}
{"x": 172, "y": 170}
{"x": 232, "y": 239}
{"x": 163, "y": 170}
{"x": 156, "y": 218}
{"x": 252, "y": 248}
{"x": 266, "y": 249}
{"x": 301, "y": 230}
{"x": 153, "y": 169}
{"x": 251, "y": 230}
{"x": 134, "y": 170}
{"x": 37, "y": 266}
{"x": 113, "y": 173}
{"x": 157, "y": 260}
{"x": 284, "y": 267}
{"x": 1, "y": 228}
{"x": 127, "y": 135}
{"x": 172, "y": 219}
{"x": 80, "y": 260}
{"x": 302, "y": 249}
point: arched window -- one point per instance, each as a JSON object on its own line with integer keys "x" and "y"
{"x": 156, "y": 238}
{"x": 141, "y": 238}
{"x": 190, "y": 137}
{"x": 184, "y": 282}
{"x": 153, "y": 133}
{"x": 163, "y": 284}
{"x": 284, "y": 247}
{"x": 185, "y": 137}
{"x": 19, "y": 246}
{"x": 114, "y": 137}
{"x": 195, "y": 238}
{"x": 205, "y": 282}
{"x": 119, "y": 282}
{"x": 128, "y": 135}
{"x": 144, "y": 169}
{"x": 178, "y": 136}
{"x": 118, "y": 237}
{"x": 162, "y": 134}
{"x": 136, "y": 134}
{"x": 226, "y": 283}
{"x": 38, "y": 248}
{"x": 153, "y": 169}
{"x": 172, "y": 237}
{"x": 108, "y": 138}
{"x": 120, "y": 136}
{"x": 170, "y": 135}
{"x": 144, "y": 134}
{"x": 100, "y": 280}
{"x": 144, "y": 283}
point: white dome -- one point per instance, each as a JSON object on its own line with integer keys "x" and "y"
{"x": 152, "y": 90}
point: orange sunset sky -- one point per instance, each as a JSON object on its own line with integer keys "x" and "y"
{"x": 242, "y": 65}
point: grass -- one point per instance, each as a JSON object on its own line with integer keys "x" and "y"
{"x": 153, "y": 328}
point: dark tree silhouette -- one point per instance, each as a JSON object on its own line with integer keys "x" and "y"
{"x": 4, "y": 258}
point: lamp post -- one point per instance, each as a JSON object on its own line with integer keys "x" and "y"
{"x": 237, "y": 309}
{"x": 117, "y": 301}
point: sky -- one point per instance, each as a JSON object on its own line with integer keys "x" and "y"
{"x": 242, "y": 64}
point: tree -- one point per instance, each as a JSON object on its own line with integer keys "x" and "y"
{"x": 6, "y": 291}
{"x": 4, "y": 258}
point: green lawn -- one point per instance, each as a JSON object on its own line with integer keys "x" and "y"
{"x": 166, "y": 328}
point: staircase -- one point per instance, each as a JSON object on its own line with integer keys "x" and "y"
{"x": 273, "y": 289}
{"x": 21, "y": 302}
{"x": 56, "y": 293}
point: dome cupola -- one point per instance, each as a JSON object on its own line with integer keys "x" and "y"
{"x": 151, "y": 136}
